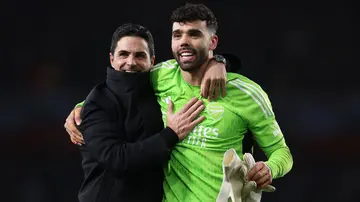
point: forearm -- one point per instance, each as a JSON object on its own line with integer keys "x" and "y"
{"x": 279, "y": 159}
{"x": 122, "y": 157}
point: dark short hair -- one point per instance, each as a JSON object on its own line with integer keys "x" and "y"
{"x": 130, "y": 29}
{"x": 192, "y": 12}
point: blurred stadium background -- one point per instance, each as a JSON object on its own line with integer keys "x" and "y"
{"x": 300, "y": 52}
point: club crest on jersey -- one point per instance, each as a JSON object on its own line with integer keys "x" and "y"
{"x": 215, "y": 110}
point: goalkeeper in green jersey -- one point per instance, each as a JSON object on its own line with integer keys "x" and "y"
{"x": 195, "y": 167}
{"x": 194, "y": 172}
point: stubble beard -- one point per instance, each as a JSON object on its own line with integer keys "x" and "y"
{"x": 192, "y": 66}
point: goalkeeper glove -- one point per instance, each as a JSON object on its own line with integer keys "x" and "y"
{"x": 235, "y": 185}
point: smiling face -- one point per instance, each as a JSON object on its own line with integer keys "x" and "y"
{"x": 131, "y": 55}
{"x": 191, "y": 43}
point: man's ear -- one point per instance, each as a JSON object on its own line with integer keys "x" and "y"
{"x": 111, "y": 58}
{"x": 214, "y": 42}
{"x": 152, "y": 60}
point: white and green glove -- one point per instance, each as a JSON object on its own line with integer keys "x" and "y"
{"x": 235, "y": 186}
{"x": 250, "y": 192}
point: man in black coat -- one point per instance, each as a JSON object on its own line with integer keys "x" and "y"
{"x": 126, "y": 142}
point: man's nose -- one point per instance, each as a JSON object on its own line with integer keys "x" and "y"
{"x": 184, "y": 41}
{"x": 131, "y": 61}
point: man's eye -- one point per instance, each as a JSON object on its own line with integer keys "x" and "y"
{"x": 141, "y": 56}
{"x": 195, "y": 34}
{"x": 123, "y": 55}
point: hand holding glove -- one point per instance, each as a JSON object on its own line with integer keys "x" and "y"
{"x": 235, "y": 184}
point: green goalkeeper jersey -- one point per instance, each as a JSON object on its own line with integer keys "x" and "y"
{"x": 194, "y": 172}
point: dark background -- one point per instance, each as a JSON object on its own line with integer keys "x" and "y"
{"x": 300, "y": 52}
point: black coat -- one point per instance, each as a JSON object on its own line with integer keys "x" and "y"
{"x": 126, "y": 145}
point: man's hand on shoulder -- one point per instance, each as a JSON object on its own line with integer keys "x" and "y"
{"x": 74, "y": 118}
{"x": 213, "y": 83}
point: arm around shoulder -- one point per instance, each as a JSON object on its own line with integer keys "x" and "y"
{"x": 233, "y": 62}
